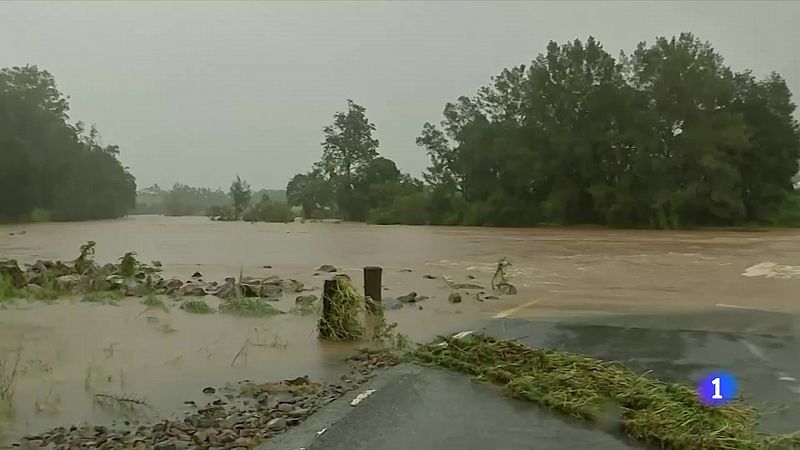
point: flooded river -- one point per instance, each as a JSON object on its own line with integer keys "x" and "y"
{"x": 71, "y": 350}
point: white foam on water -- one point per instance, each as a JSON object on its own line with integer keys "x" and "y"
{"x": 770, "y": 269}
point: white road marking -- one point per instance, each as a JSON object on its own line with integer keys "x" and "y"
{"x": 510, "y": 311}
{"x": 754, "y": 350}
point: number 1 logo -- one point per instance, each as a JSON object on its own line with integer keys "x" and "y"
{"x": 717, "y": 388}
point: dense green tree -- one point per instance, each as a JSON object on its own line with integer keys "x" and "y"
{"x": 48, "y": 167}
{"x": 769, "y": 160}
{"x": 347, "y": 146}
{"x": 312, "y": 192}
{"x": 241, "y": 194}
{"x": 666, "y": 137}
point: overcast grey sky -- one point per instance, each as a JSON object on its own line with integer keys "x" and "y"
{"x": 196, "y": 92}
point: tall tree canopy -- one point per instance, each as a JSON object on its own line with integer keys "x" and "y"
{"x": 352, "y": 180}
{"x": 665, "y": 137}
{"x": 48, "y": 167}
{"x": 240, "y": 195}
{"x": 347, "y": 147}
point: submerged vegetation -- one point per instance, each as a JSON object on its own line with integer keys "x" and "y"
{"x": 265, "y": 210}
{"x": 248, "y": 306}
{"x": 196, "y": 306}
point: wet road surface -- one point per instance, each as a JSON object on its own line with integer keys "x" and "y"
{"x": 425, "y": 408}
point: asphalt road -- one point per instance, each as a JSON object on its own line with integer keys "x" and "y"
{"x": 419, "y": 408}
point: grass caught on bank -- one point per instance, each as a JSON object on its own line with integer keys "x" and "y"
{"x": 7, "y": 289}
{"x": 668, "y": 415}
{"x": 154, "y": 302}
{"x": 344, "y": 320}
{"x": 103, "y": 297}
{"x": 247, "y": 306}
{"x": 196, "y": 306}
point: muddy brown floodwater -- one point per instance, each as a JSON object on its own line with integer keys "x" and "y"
{"x": 71, "y": 350}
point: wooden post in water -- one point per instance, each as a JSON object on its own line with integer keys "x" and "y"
{"x": 328, "y": 290}
{"x": 372, "y": 287}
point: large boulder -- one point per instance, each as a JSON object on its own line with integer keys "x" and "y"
{"x": 228, "y": 290}
{"x": 270, "y": 291}
{"x": 290, "y": 285}
{"x": 171, "y": 284}
{"x": 250, "y": 290}
{"x": 74, "y": 283}
{"x": 193, "y": 289}
{"x": 100, "y": 283}
{"x": 10, "y": 269}
{"x": 132, "y": 287}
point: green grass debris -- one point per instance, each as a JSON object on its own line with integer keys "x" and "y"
{"x": 249, "y": 307}
{"x": 344, "y": 320}
{"x": 196, "y": 306}
{"x": 664, "y": 414}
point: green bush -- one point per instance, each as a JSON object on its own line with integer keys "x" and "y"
{"x": 408, "y": 209}
{"x": 269, "y": 211}
{"x": 789, "y": 215}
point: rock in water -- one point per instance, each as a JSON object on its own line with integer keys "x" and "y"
{"x": 411, "y": 297}
{"x": 270, "y": 291}
{"x": 455, "y": 297}
{"x": 172, "y": 283}
{"x": 197, "y": 275}
{"x": 305, "y": 300}
{"x": 131, "y": 287}
{"x": 228, "y": 290}
{"x": 250, "y": 290}
{"x": 507, "y": 289}
{"x": 192, "y": 289}
{"x": 73, "y": 283}
{"x": 291, "y": 285}
{"x": 327, "y": 268}
{"x": 391, "y": 303}
{"x": 429, "y": 277}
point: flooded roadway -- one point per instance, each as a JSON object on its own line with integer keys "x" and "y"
{"x": 70, "y": 349}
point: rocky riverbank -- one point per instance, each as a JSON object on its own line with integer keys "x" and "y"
{"x": 236, "y": 416}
